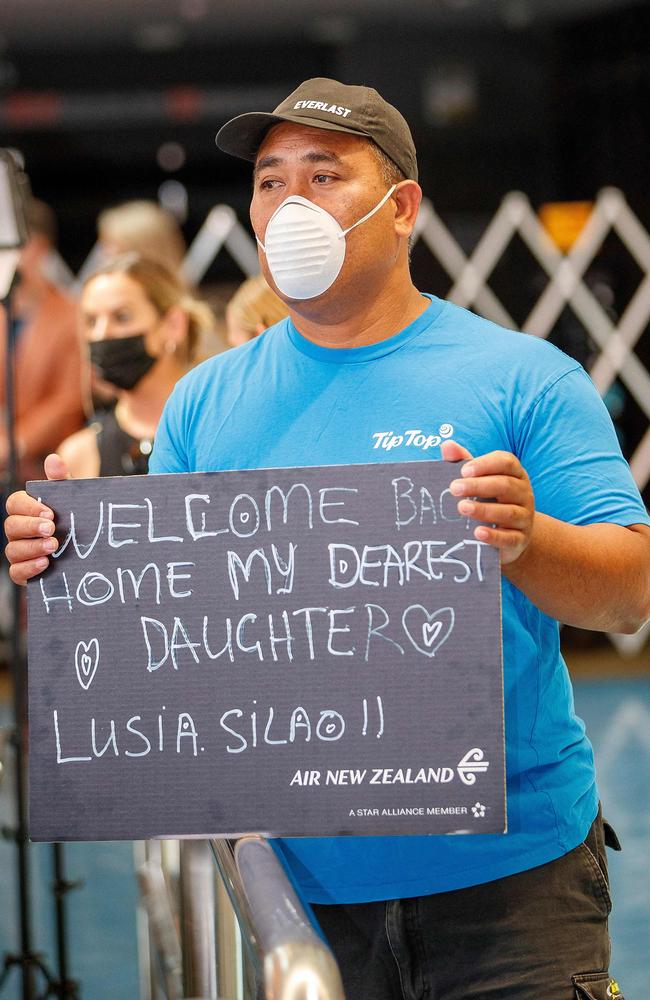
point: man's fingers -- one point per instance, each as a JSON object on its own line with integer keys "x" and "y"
{"x": 494, "y": 463}
{"x": 28, "y": 556}
{"x": 503, "y": 515}
{"x": 509, "y": 543}
{"x": 454, "y": 452}
{"x": 24, "y": 504}
{"x": 55, "y": 467}
{"x": 30, "y": 548}
{"x": 24, "y": 571}
{"x": 23, "y": 546}
{"x": 506, "y": 489}
{"x": 18, "y": 526}
{"x": 495, "y": 490}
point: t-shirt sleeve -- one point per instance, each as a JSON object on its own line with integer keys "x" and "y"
{"x": 169, "y": 451}
{"x": 568, "y": 446}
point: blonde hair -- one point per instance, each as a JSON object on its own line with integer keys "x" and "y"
{"x": 146, "y": 228}
{"x": 254, "y": 304}
{"x": 163, "y": 289}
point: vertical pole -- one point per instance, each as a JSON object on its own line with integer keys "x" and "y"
{"x": 61, "y": 888}
{"x": 198, "y": 920}
{"x": 19, "y": 675}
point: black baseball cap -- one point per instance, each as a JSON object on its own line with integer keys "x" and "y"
{"x": 330, "y": 105}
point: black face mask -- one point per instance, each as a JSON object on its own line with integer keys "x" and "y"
{"x": 122, "y": 361}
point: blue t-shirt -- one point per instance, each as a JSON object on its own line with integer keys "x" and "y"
{"x": 281, "y": 401}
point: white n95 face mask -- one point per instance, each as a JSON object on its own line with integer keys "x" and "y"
{"x": 305, "y": 246}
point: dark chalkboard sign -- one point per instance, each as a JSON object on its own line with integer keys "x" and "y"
{"x": 311, "y": 651}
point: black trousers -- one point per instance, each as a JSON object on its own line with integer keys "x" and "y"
{"x": 538, "y": 935}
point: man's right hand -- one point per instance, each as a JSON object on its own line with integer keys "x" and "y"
{"x": 30, "y": 528}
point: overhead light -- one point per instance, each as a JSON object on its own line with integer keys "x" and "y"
{"x": 333, "y": 29}
{"x": 171, "y": 156}
{"x": 159, "y": 36}
{"x": 450, "y": 95}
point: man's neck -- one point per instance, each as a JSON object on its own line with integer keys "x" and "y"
{"x": 360, "y": 323}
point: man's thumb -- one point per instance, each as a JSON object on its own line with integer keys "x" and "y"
{"x": 55, "y": 467}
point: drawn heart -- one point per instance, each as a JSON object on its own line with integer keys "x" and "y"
{"x": 86, "y": 661}
{"x": 429, "y": 630}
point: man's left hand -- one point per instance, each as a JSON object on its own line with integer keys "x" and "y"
{"x": 495, "y": 490}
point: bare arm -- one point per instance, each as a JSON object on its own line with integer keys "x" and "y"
{"x": 59, "y": 410}
{"x": 595, "y": 576}
{"x": 56, "y": 417}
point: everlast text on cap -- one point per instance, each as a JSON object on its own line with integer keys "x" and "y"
{"x": 332, "y": 109}
{"x": 330, "y": 105}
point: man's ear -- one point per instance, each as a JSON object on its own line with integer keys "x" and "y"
{"x": 407, "y": 196}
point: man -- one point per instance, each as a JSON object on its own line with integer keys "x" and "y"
{"x": 48, "y": 360}
{"x": 47, "y": 365}
{"x": 364, "y": 352}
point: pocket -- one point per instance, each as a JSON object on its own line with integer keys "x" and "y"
{"x": 598, "y": 879}
{"x": 601, "y": 835}
{"x": 596, "y": 986}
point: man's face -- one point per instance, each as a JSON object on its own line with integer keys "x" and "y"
{"x": 340, "y": 173}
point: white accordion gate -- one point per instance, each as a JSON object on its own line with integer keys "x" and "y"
{"x": 616, "y": 342}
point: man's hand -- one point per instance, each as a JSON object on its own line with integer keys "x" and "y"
{"x": 30, "y": 528}
{"x": 501, "y": 496}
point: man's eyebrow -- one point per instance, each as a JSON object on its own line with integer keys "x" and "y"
{"x": 321, "y": 156}
{"x": 313, "y": 156}
{"x": 267, "y": 161}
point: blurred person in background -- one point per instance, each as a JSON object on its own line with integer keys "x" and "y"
{"x": 142, "y": 328}
{"x": 48, "y": 365}
{"x": 147, "y": 228}
{"x": 252, "y": 309}
{"x": 48, "y": 355}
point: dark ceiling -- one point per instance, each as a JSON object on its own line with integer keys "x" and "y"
{"x": 546, "y": 96}
{"x": 167, "y": 24}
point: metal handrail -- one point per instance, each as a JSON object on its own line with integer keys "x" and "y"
{"x": 288, "y": 952}
{"x": 162, "y": 927}
{"x": 197, "y": 909}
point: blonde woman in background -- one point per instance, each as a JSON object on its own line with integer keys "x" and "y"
{"x": 252, "y": 309}
{"x": 145, "y": 227}
{"x": 142, "y": 328}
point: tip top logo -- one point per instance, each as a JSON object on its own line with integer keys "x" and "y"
{"x": 414, "y": 438}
